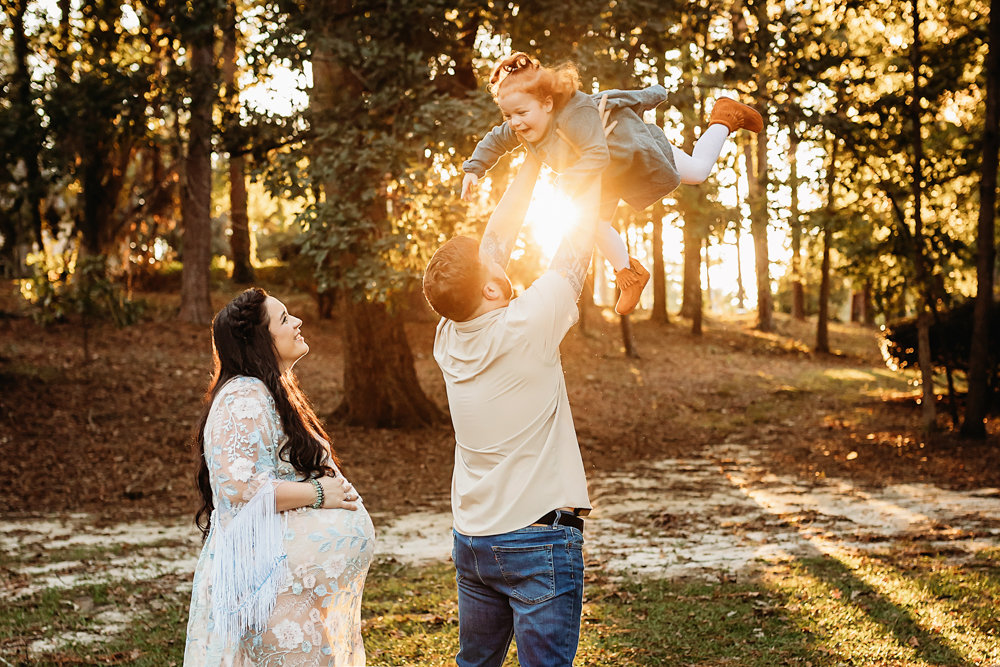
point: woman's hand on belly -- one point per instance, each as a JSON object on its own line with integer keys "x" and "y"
{"x": 338, "y": 494}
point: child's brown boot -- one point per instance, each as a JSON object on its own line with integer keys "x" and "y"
{"x": 735, "y": 116}
{"x": 630, "y": 285}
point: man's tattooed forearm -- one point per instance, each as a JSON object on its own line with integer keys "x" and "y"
{"x": 493, "y": 248}
{"x": 572, "y": 264}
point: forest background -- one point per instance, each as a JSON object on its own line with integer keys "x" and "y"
{"x": 821, "y": 312}
{"x": 319, "y": 145}
{"x": 158, "y": 146}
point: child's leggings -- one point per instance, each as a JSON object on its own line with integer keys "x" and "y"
{"x": 693, "y": 169}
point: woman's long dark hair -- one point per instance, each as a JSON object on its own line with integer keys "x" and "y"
{"x": 242, "y": 345}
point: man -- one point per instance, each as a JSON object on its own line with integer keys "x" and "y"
{"x": 519, "y": 489}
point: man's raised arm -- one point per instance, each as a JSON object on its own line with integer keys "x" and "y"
{"x": 505, "y": 223}
{"x": 572, "y": 259}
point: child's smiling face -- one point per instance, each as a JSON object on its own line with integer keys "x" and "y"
{"x": 526, "y": 115}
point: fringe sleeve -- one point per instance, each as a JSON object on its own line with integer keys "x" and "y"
{"x": 250, "y": 567}
{"x": 249, "y": 562}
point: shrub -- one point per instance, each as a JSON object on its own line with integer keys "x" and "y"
{"x": 62, "y": 288}
{"x": 951, "y": 341}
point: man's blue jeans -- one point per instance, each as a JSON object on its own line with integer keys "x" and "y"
{"x": 526, "y": 584}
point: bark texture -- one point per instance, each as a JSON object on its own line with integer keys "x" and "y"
{"x": 798, "y": 291}
{"x": 381, "y": 388}
{"x": 823, "y": 319}
{"x": 661, "y": 309}
{"x": 239, "y": 239}
{"x": 924, "y": 358}
{"x": 196, "y": 304}
{"x": 660, "y": 313}
{"x": 978, "y": 401}
{"x": 691, "y": 300}
{"x": 758, "y": 231}
{"x": 758, "y": 193}
{"x": 19, "y": 236}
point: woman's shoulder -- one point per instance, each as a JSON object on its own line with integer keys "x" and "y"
{"x": 244, "y": 387}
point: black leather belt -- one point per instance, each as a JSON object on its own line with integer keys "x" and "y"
{"x": 562, "y": 518}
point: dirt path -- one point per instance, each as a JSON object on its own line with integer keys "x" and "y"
{"x": 720, "y": 515}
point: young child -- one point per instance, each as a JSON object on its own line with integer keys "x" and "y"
{"x": 545, "y": 111}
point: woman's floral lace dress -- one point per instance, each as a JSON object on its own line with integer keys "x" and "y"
{"x": 316, "y": 615}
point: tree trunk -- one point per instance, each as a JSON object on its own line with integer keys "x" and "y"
{"x": 26, "y": 145}
{"x": 380, "y": 382}
{"x": 628, "y": 338}
{"x": 798, "y": 293}
{"x": 688, "y": 201}
{"x": 869, "y": 318}
{"x": 928, "y": 404}
{"x": 697, "y": 300}
{"x": 708, "y": 273}
{"x": 196, "y": 303}
{"x": 858, "y": 306}
{"x": 741, "y": 292}
{"x": 952, "y": 400}
{"x": 379, "y": 375}
{"x": 90, "y": 186}
{"x": 660, "y": 313}
{"x": 239, "y": 239}
{"x": 758, "y": 229}
{"x": 691, "y": 300}
{"x": 759, "y": 196}
{"x": 978, "y": 401}
{"x": 823, "y": 319}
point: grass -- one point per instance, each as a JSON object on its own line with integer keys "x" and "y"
{"x": 910, "y": 606}
{"x": 154, "y": 635}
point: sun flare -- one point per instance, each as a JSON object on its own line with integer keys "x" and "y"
{"x": 549, "y": 216}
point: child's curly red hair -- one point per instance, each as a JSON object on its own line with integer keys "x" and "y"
{"x": 520, "y": 73}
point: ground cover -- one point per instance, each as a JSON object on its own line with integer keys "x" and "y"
{"x": 756, "y": 504}
{"x": 907, "y": 607}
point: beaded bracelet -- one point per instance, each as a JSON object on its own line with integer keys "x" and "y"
{"x": 320, "y": 494}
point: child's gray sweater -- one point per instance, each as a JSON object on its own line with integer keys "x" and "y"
{"x": 636, "y": 160}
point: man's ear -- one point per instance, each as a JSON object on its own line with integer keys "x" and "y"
{"x": 491, "y": 292}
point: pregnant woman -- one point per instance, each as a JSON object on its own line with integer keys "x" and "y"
{"x": 287, "y": 539}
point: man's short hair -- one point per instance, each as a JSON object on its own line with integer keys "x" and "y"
{"x": 453, "y": 280}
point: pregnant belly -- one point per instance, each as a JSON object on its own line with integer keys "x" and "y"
{"x": 329, "y": 550}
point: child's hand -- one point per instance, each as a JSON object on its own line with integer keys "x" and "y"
{"x": 605, "y": 115}
{"x": 468, "y": 184}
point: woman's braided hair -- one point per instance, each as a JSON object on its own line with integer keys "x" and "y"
{"x": 242, "y": 345}
{"x": 520, "y": 72}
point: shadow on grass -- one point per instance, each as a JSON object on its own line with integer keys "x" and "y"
{"x": 893, "y": 620}
{"x": 820, "y": 611}
{"x": 814, "y": 611}
{"x": 972, "y": 589}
